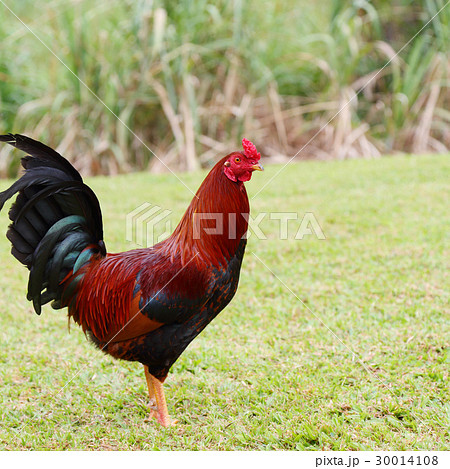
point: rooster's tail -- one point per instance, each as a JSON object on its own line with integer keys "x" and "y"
{"x": 56, "y": 221}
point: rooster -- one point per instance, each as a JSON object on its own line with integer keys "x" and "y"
{"x": 143, "y": 305}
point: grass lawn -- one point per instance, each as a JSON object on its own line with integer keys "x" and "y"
{"x": 333, "y": 344}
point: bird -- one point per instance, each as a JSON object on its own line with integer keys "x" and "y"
{"x": 144, "y": 305}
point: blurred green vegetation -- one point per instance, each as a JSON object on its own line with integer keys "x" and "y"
{"x": 113, "y": 83}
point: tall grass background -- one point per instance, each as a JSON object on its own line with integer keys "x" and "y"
{"x": 113, "y": 83}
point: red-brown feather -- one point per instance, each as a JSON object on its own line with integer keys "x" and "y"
{"x": 104, "y": 301}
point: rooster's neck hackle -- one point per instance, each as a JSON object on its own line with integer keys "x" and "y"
{"x": 214, "y": 223}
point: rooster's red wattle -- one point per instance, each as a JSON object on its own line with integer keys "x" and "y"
{"x": 143, "y": 305}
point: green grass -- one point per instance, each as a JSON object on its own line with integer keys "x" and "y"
{"x": 268, "y": 373}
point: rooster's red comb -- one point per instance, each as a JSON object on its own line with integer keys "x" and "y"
{"x": 250, "y": 150}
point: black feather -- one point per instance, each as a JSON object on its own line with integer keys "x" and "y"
{"x": 65, "y": 256}
{"x": 38, "y": 151}
{"x": 42, "y": 253}
{"x": 54, "y": 218}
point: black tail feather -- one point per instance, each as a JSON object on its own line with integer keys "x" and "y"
{"x": 40, "y": 155}
{"x": 54, "y": 218}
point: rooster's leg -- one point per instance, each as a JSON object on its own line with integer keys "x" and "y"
{"x": 157, "y": 400}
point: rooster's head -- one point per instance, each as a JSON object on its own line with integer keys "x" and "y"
{"x": 240, "y": 165}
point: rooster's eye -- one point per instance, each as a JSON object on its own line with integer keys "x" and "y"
{"x": 237, "y": 160}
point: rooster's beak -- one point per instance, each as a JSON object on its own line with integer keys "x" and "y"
{"x": 258, "y": 167}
